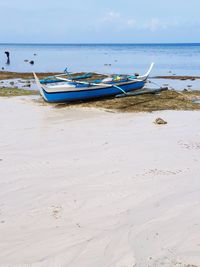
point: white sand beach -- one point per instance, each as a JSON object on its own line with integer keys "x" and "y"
{"x": 85, "y": 187}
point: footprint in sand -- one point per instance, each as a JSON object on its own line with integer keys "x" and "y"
{"x": 56, "y": 211}
{"x": 161, "y": 172}
{"x": 189, "y": 145}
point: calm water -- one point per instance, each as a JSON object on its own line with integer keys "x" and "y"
{"x": 180, "y": 59}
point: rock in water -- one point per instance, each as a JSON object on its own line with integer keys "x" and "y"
{"x": 160, "y": 121}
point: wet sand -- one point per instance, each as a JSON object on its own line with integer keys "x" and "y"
{"x": 25, "y": 80}
{"x": 85, "y": 187}
{"x": 147, "y": 102}
{"x": 178, "y": 77}
{"x": 165, "y": 100}
{"x": 23, "y": 75}
{"x": 28, "y": 75}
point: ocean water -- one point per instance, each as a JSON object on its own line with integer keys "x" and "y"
{"x": 179, "y": 59}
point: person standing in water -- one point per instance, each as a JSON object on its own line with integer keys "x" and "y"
{"x": 8, "y": 57}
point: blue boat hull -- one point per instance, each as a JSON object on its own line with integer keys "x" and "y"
{"x": 93, "y": 93}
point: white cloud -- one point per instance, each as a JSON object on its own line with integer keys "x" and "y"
{"x": 154, "y": 25}
{"x": 111, "y": 16}
{"x": 132, "y": 23}
{"x": 121, "y": 22}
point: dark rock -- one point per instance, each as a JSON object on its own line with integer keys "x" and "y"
{"x": 27, "y": 85}
{"x": 160, "y": 121}
{"x": 31, "y": 62}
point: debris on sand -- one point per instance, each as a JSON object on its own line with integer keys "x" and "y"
{"x": 5, "y": 75}
{"x": 165, "y": 100}
{"x": 160, "y": 121}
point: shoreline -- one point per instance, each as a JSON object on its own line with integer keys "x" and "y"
{"x": 165, "y": 100}
{"x": 29, "y": 75}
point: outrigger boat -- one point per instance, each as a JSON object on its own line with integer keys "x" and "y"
{"x": 86, "y": 90}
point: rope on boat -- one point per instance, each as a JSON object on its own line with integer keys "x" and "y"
{"x": 172, "y": 88}
{"x": 120, "y": 89}
{"x": 155, "y": 83}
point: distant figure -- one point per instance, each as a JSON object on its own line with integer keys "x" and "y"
{"x": 8, "y": 57}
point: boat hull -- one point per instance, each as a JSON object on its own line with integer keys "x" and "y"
{"x": 87, "y": 94}
{"x": 79, "y": 91}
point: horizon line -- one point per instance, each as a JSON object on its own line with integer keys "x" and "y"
{"x": 97, "y": 43}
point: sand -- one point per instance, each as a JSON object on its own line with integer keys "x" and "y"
{"x": 85, "y": 187}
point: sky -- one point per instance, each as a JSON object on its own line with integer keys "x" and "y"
{"x": 103, "y": 21}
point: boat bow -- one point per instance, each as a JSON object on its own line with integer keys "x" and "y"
{"x": 145, "y": 76}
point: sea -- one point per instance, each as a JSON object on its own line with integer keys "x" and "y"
{"x": 170, "y": 59}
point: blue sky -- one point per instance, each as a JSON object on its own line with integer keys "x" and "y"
{"x": 87, "y": 21}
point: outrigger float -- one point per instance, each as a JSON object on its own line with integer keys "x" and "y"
{"x": 74, "y": 90}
